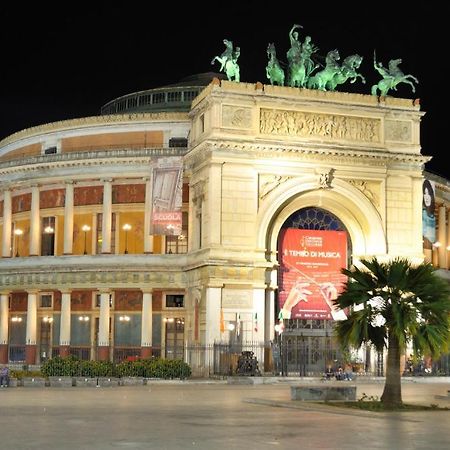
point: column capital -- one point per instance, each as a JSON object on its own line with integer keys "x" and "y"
{"x": 65, "y": 291}
{"x": 69, "y": 182}
{"x": 106, "y": 180}
{"x": 32, "y": 291}
{"x": 147, "y": 290}
{"x": 5, "y": 292}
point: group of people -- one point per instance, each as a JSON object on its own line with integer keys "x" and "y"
{"x": 339, "y": 374}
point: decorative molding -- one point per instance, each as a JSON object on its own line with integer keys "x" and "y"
{"x": 398, "y": 130}
{"x": 325, "y": 179}
{"x": 368, "y": 189}
{"x": 269, "y": 182}
{"x": 236, "y": 116}
{"x": 330, "y": 126}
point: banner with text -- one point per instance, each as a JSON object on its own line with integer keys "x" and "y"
{"x": 167, "y": 196}
{"x": 310, "y": 275}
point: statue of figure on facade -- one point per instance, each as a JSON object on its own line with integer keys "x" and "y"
{"x": 294, "y": 56}
{"x": 274, "y": 71}
{"x": 308, "y": 49}
{"x": 392, "y": 76}
{"x": 324, "y": 77}
{"x": 347, "y": 71}
{"x": 228, "y": 60}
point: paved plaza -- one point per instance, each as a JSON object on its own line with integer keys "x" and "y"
{"x": 214, "y": 415}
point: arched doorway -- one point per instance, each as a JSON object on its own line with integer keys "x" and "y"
{"x": 313, "y": 246}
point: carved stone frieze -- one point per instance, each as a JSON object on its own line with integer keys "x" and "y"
{"x": 398, "y": 130}
{"x": 370, "y": 190}
{"x": 330, "y": 126}
{"x": 236, "y": 116}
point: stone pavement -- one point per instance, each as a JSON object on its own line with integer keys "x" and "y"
{"x": 214, "y": 415}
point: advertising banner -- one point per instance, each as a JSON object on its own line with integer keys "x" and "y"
{"x": 167, "y": 196}
{"x": 428, "y": 205}
{"x": 310, "y": 275}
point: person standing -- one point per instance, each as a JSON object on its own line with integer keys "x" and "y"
{"x": 4, "y": 376}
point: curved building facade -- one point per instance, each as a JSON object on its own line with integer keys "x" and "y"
{"x": 88, "y": 270}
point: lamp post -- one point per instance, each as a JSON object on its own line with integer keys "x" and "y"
{"x": 126, "y": 228}
{"x": 85, "y": 228}
{"x": 18, "y": 232}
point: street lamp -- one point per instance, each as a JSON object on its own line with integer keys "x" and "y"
{"x": 85, "y": 228}
{"x": 126, "y": 228}
{"x": 18, "y": 232}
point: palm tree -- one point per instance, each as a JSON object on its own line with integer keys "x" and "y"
{"x": 392, "y": 304}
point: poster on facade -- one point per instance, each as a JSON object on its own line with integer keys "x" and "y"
{"x": 310, "y": 275}
{"x": 428, "y": 206}
{"x": 167, "y": 195}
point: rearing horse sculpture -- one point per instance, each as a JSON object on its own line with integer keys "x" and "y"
{"x": 320, "y": 79}
{"x": 274, "y": 71}
{"x": 391, "y": 77}
{"x": 228, "y": 60}
{"x": 348, "y": 70}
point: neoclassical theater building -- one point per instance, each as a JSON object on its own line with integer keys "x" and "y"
{"x": 97, "y": 262}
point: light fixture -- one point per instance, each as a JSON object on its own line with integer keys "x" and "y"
{"x": 85, "y": 228}
{"x": 18, "y": 232}
{"x": 47, "y": 319}
{"x": 83, "y": 318}
{"x": 16, "y": 319}
{"x": 124, "y": 318}
{"x": 126, "y": 228}
{"x": 231, "y": 327}
{"x": 437, "y": 244}
{"x": 49, "y": 229}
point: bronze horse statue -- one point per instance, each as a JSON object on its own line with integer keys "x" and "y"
{"x": 274, "y": 71}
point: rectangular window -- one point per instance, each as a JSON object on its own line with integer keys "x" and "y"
{"x": 48, "y": 236}
{"x": 50, "y": 151}
{"x": 45, "y": 300}
{"x": 174, "y": 300}
{"x": 97, "y": 300}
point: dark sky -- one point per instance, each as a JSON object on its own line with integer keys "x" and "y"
{"x": 67, "y": 59}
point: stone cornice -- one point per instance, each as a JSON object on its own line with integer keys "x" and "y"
{"x": 224, "y": 87}
{"x": 312, "y": 150}
{"x": 85, "y": 122}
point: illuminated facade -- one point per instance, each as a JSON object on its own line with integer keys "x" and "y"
{"x": 83, "y": 271}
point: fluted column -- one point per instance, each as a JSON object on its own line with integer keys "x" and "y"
{"x": 4, "y": 324}
{"x": 148, "y": 237}
{"x": 107, "y": 216}
{"x": 442, "y": 237}
{"x": 68, "y": 219}
{"x": 35, "y": 222}
{"x": 7, "y": 224}
{"x": 64, "y": 331}
{"x": 103, "y": 329}
{"x": 147, "y": 328}
{"x": 31, "y": 333}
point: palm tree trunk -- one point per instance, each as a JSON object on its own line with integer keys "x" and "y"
{"x": 392, "y": 394}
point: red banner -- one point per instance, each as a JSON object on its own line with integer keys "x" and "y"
{"x": 310, "y": 273}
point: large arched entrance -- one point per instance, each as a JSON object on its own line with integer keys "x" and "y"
{"x": 312, "y": 243}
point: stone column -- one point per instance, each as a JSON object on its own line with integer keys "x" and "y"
{"x": 442, "y": 237}
{"x": 214, "y": 204}
{"x": 269, "y": 319}
{"x": 148, "y": 237}
{"x": 30, "y": 340}
{"x": 68, "y": 219}
{"x": 146, "y": 326}
{"x": 64, "y": 331}
{"x": 35, "y": 222}
{"x": 107, "y": 216}
{"x": 4, "y": 324}
{"x": 7, "y": 224}
{"x": 103, "y": 329}
{"x": 213, "y": 302}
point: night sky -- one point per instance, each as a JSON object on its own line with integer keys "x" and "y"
{"x": 65, "y": 63}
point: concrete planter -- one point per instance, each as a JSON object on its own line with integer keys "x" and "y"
{"x": 108, "y": 381}
{"x": 14, "y": 382}
{"x": 61, "y": 381}
{"x": 131, "y": 381}
{"x": 34, "y": 382}
{"x": 86, "y": 382}
{"x": 324, "y": 393}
